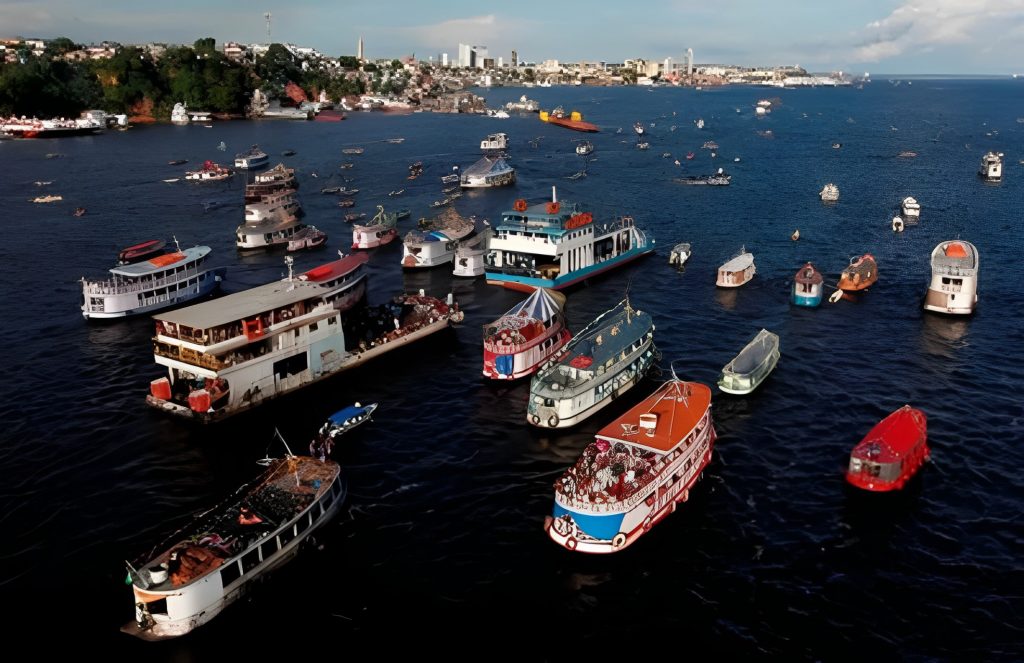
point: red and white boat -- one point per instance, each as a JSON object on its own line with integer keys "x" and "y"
{"x": 35, "y": 128}
{"x": 210, "y": 172}
{"x": 891, "y": 453}
{"x": 517, "y": 343}
{"x": 343, "y": 280}
{"x": 637, "y": 470}
{"x": 381, "y": 230}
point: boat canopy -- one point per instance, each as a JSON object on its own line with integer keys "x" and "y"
{"x": 753, "y": 355}
{"x": 341, "y": 416}
{"x": 893, "y": 438}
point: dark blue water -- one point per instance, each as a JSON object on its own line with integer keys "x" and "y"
{"x": 443, "y": 542}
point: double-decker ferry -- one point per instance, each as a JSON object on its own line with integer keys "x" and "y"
{"x": 636, "y": 471}
{"x": 271, "y": 222}
{"x": 601, "y": 363}
{"x": 148, "y": 279}
{"x": 555, "y": 245}
{"x": 524, "y": 338}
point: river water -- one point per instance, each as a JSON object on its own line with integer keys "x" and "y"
{"x": 442, "y": 544}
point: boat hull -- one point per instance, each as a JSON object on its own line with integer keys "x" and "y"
{"x": 809, "y": 300}
{"x": 506, "y": 366}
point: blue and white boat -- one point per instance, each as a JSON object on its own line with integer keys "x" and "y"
{"x": 555, "y": 245}
{"x": 348, "y": 418}
{"x": 807, "y": 286}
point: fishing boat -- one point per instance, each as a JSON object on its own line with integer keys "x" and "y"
{"x": 679, "y": 255}
{"x": 911, "y": 211}
{"x": 638, "y": 469}
{"x": 557, "y": 244}
{"x": 574, "y": 120}
{"x": 210, "y": 172}
{"x": 490, "y": 171}
{"x": 808, "y": 286}
{"x": 891, "y": 453}
{"x": 150, "y": 278}
{"x": 347, "y": 418}
{"x": 307, "y": 238}
{"x": 471, "y": 254}
{"x": 829, "y": 193}
{"x": 521, "y": 340}
{"x": 252, "y": 158}
{"x": 737, "y": 271}
{"x": 860, "y": 274}
{"x": 584, "y": 148}
{"x": 434, "y": 243}
{"x": 991, "y": 168}
{"x": 954, "y": 285}
{"x": 379, "y": 231}
{"x": 232, "y": 354}
{"x": 752, "y": 365}
{"x": 598, "y": 365}
{"x": 897, "y": 224}
{"x": 208, "y": 564}
{"x": 494, "y": 143}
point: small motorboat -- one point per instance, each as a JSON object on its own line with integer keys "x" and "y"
{"x": 309, "y": 237}
{"x": 347, "y": 418}
{"x": 79, "y": 211}
{"x": 38, "y": 183}
{"x": 666, "y": 155}
{"x": 836, "y": 146}
{"x": 737, "y": 271}
{"x": 584, "y": 148}
{"x": 860, "y": 274}
{"x": 897, "y": 224}
{"x": 891, "y": 453}
{"x": 353, "y": 150}
{"x": 177, "y": 162}
{"x": 910, "y": 210}
{"x": 908, "y": 154}
{"x": 396, "y": 193}
{"x": 396, "y": 141}
{"x": 796, "y": 235}
{"x": 346, "y": 165}
{"x": 288, "y": 153}
{"x": 332, "y": 189}
{"x": 347, "y": 203}
{"x": 808, "y": 286}
{"x": 643, "y": 146}
{"x": 172, "y": 180}
{"x": 829, "y": 193}
{"x": 752, "y": 365}
{"x": 679, "y": 255}
{"x": 689, "y": 155}
{"x": 47, "y": 199}
{"x": 348, "y": 192}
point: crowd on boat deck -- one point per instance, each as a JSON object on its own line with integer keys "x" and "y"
{"x": 607, "y": 473}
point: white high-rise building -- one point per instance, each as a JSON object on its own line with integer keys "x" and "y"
{"x": 667, "y": 67}
{"x": 466, "y": 56}
{"x": 359, "y": 49}
{"x": 689, "y": 62}
{"x": 501, "y": 62}
{"x": 444, "y": 59}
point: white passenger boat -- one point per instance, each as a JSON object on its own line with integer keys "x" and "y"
{"x": 270, "y": 223}
{"x": 471, "y": 254}
{"x": 490, "y": 171}
{"x": 279, "y": 179}
{"x": 494, "y": 143}
{"x": 520, "y": 341}
{"x": 436, "y": 240}
{"x": 524, "y": 105}
{"x": 638, "y": 470}
{"x": 210, "y": 172}
{"x": 601, "y": 363}
{"x": 556, "y": 245}
{"x": 954, "y": 285}
{"x": 149, "y": 279}
{"x": 179, "y": 114}
{"x": 737, "y": 271}
{"x": 991, "y": 168}
{"x": 208, "y": 564}
{"x": 911, "y": 210}
{"x": 252, "y": 158}
{"x": 231, "y": 354}
{"x": 829, "y": 193}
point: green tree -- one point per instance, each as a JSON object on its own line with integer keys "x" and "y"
{"x": 41, "y": 88}
{"x": 348, "y": 62}
{"x": 528, "y": 75}
{"x": 129, "y": 78}
{"x": 58, "y": 47}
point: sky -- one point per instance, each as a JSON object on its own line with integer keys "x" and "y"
{"x": 878, "y": 36}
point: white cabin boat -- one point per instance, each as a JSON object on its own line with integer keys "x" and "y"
{"x": 829, "y": 193}
{"x": 252, "y": 158}
{"x": 680, "y": 254}
{"x": 435, "y": 242}
{"x": 210, "y": 172}
{"x": 605, "y": 360}
{"x": 954, "y": 285}
{"x": 911, "y": 210}
{"x": 179, "y": 115}
{"x": 270, "y": 223}
{"x": 471, "y": 254}
{"x": 524, "y": 105}
{"x": 897, "y": 224}
{"x": 520, "y": 341}
{"x": 638, "y": 470}
{"x": 737, "y": 271}
{"x": 494, "y": 143}
{"x": 991, "y": 167}
{"x": 207, "y": 565}
{"x": 155, "y": 283}
{"x": 490, "y": 171}
{"x": 229, "y": 355}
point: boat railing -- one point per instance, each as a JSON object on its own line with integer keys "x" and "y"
{"x": 188, "y": 356}
{"x": 520, "y": 271}
{"x": 119, "y": 287}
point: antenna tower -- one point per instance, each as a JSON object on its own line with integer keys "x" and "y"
{"x": 267, "y": 16}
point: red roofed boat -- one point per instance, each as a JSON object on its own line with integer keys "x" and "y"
{"x": 573, "y": 121}
{"x": 891, "y": 453}
{"x": 140, "y": 252}
{"x": 344, "y": 280}
{"x": 640, "y": 467}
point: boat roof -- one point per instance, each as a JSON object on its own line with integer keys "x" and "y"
{"x": 809, "y": 274}
{"x": 241, "y": 305}
{"x": 739, "y": 263}
{"x": 536, "y": 218}
{"x": 542, "y": 304}
{"x": 346, "y": 413}
{"x": 486, "y": 166}
{"x": 753, "y": 354}
{"x": 955, "y": 253}
{"x": 332, "y": 270}
{"x": 678, "y": 407}
{"x": 161, "y": 262}
{"x": 893, "y": 437}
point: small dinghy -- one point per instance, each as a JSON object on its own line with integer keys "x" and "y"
{"x": 347, "y": 418}
{"x": 891, "y": 453}
{"x": 752, "y": 365}
{"x": 897, "y": 224}
{"x": 860, "y": 274}
{"x": 679, "y": 255}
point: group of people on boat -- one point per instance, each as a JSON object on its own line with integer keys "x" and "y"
{"x": 607, "y": 472}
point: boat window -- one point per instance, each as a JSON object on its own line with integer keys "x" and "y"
{"x": 229, "y": 573}
{"x": 250, "y": 560}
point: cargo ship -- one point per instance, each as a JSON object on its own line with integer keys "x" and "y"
{"x": 573, "y": 121}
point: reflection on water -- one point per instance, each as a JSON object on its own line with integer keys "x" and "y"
{"x": 943, "y": 335}
{"x": 726, "y": 298}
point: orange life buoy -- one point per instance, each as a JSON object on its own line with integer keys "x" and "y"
{"x": 520, "y": 205}
{"x": 552, "y": 208}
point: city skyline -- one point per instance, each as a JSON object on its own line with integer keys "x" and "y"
{"x": 940, "y": 37}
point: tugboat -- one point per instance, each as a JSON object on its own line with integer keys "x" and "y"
{"x": 891, "y": 453}
{"x": 638, "y": 470}
{"x": 521, "y": 340}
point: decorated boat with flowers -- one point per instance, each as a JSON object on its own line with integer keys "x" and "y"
{"x": 601, "y": 363}
{"x": 517, "y": 343}
{"x": 557, "y": 244}
{"x": 188, "y": 579}
{"x": 638, "y": 470}
{"x": 891, "y": 453}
